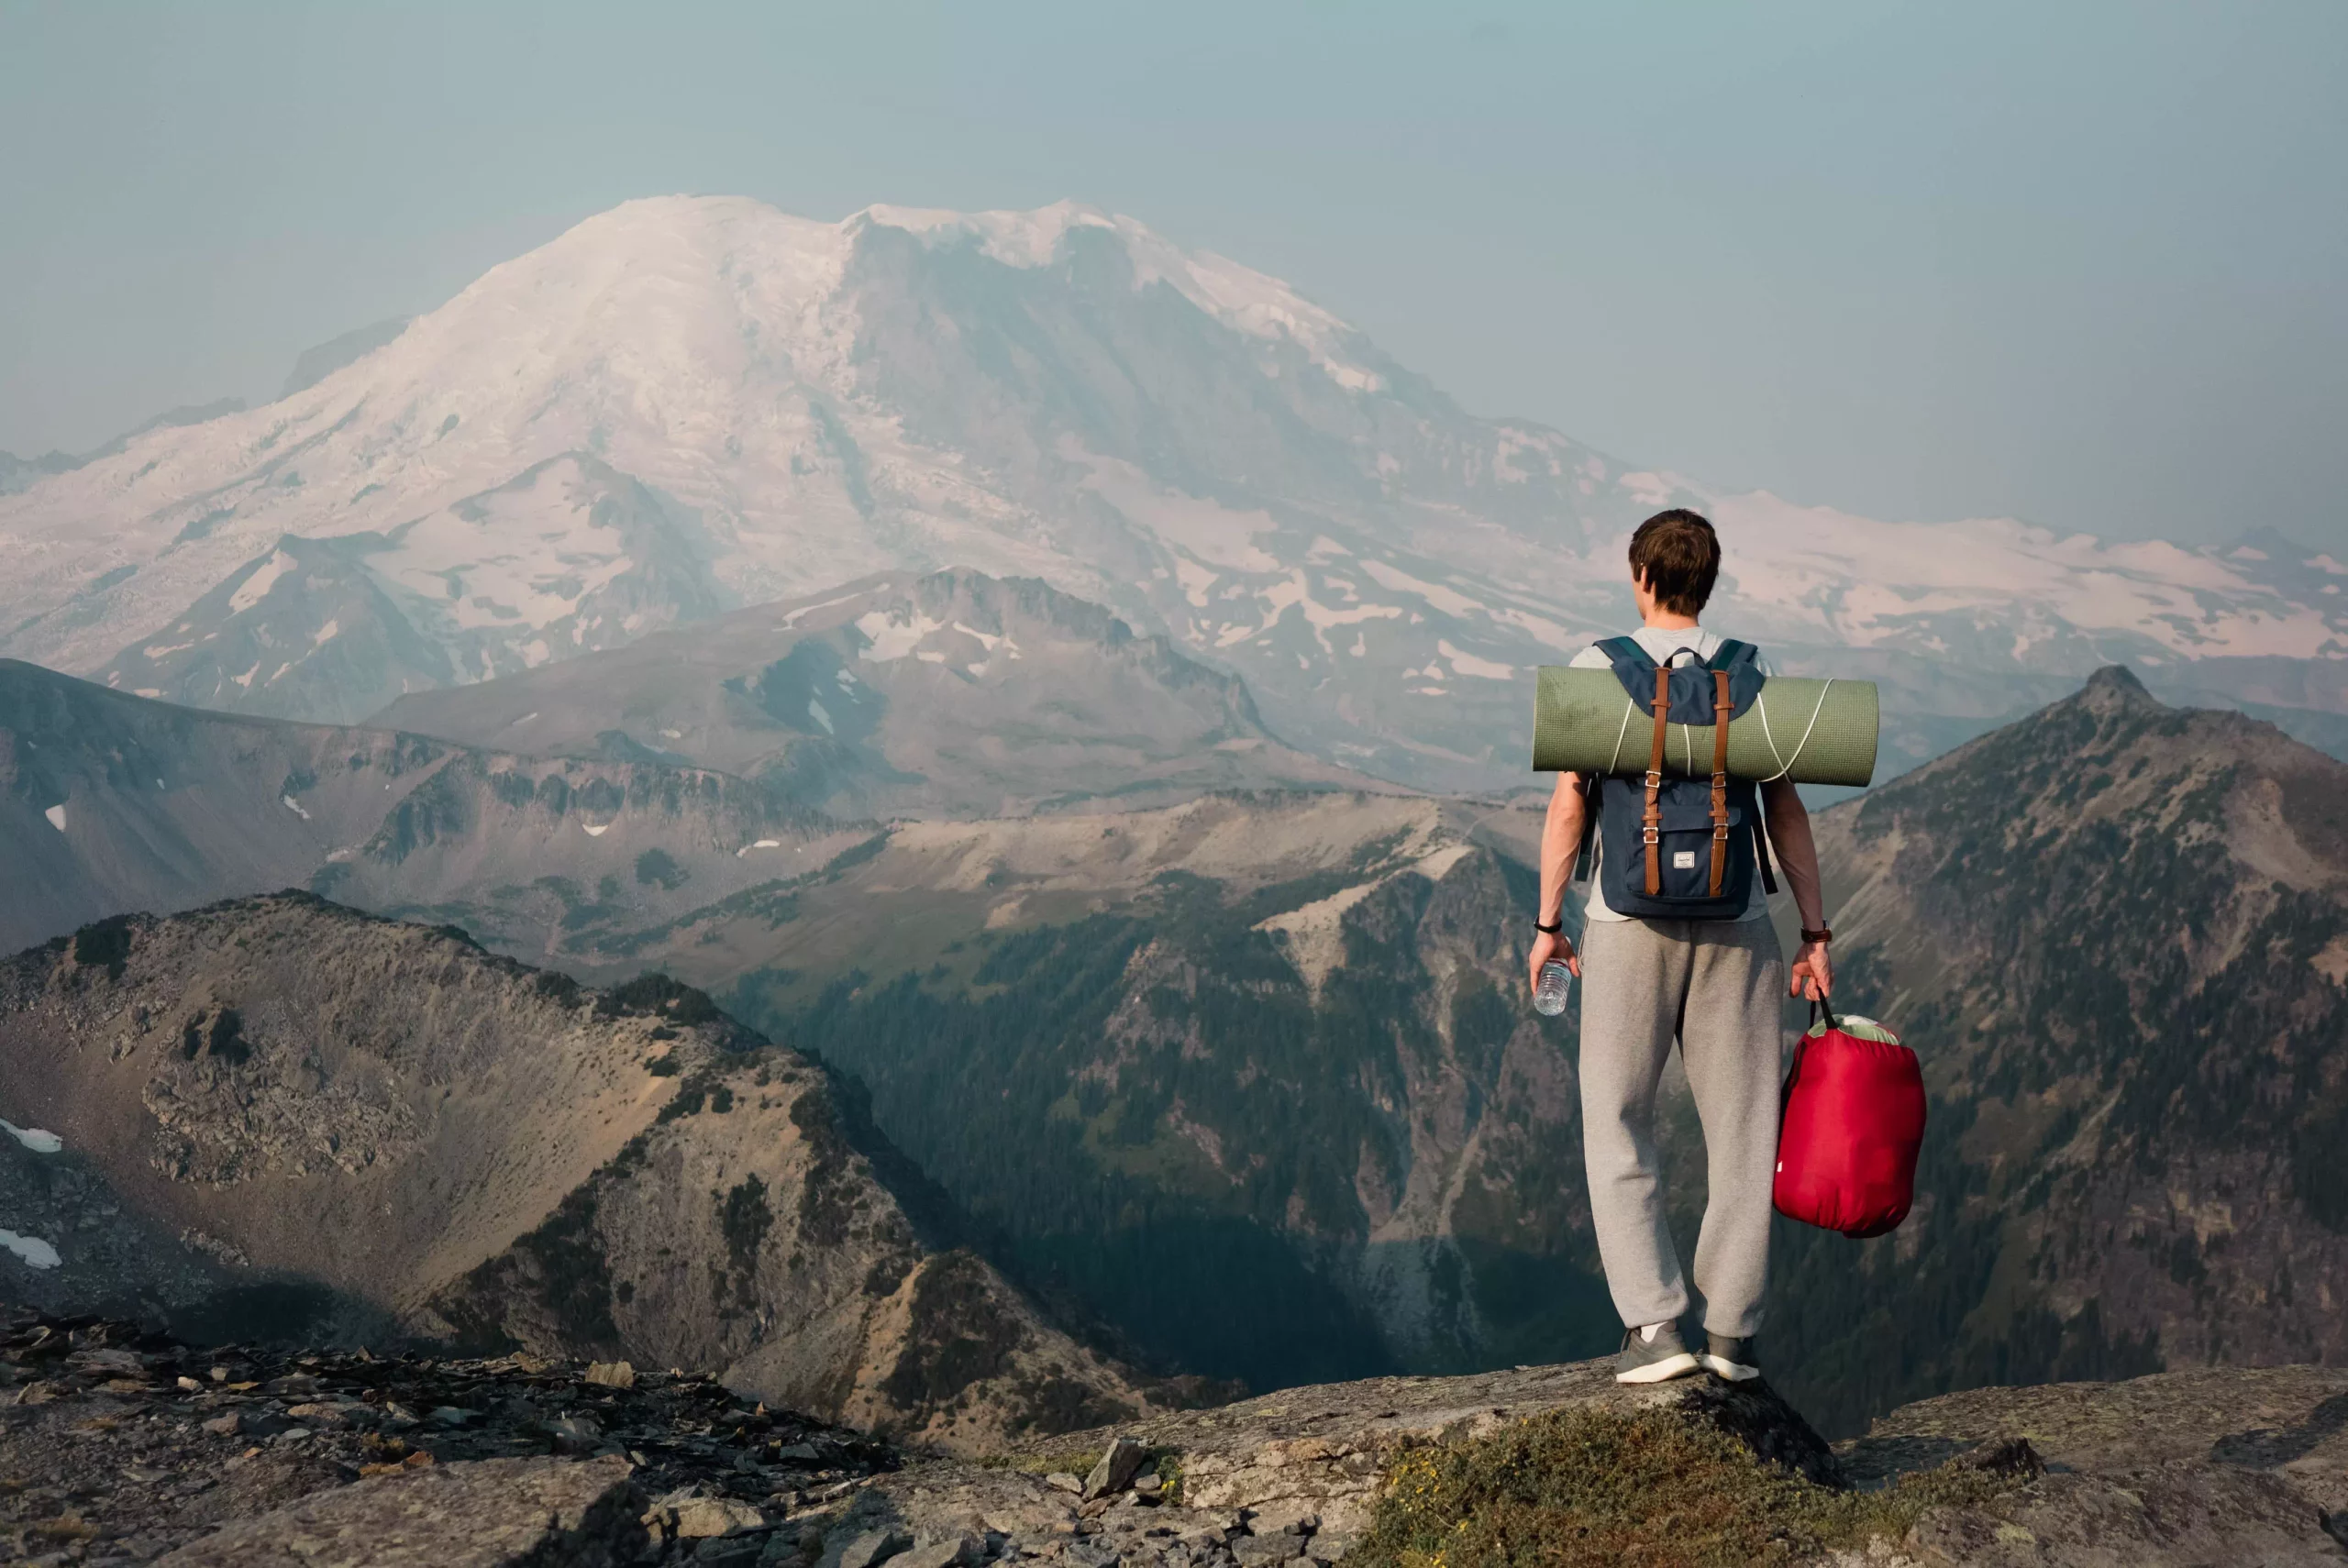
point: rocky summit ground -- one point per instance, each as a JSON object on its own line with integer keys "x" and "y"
{"x": 117, "y": 1446}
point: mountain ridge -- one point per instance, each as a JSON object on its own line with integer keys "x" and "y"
{"x": 474, "y": 1151}
{"x": 2116, "y": 932}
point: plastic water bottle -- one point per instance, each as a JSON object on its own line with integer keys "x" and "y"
{"x": 1549, "y": 996}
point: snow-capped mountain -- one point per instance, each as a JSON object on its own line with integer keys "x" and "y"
{"x": 685, "y": 405}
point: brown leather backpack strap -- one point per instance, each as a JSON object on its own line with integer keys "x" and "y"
{"x": 1720, "y": 780}
{"x": 1651, "y": 824}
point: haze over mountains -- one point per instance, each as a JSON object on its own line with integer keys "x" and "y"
{"x": 687, "y": 404}
{"x": 1048, "y": 677}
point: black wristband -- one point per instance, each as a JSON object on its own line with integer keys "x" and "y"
{"x": 1557, "y": 930}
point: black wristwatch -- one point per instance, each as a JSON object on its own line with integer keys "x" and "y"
{"x": 1557, "y": 930}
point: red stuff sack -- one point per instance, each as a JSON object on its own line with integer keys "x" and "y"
{"x": 1852, "y": 1119}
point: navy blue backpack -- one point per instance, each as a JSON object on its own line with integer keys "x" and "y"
{"x": 1680, "y": 848}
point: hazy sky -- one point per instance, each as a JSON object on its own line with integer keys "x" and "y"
{"x": 2083, "y": 263}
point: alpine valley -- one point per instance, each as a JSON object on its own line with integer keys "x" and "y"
{"x": 925, "y": 813}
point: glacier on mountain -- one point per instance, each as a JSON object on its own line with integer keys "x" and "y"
{"x": 687, "y": 404}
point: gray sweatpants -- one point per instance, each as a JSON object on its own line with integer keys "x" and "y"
{"x": 1716, "y": 985}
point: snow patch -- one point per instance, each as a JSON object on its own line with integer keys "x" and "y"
{"x": 1449, "y": 600}
{"x": 815, "y": 711}
{"x": 39, "y": 1140}
{"x": 1195, "y": 581}
{"x": 36, "y": 1253}
{"x": 255, "y": 589}
{"x": 327, "y": 632}
{"x": 887, "y": 637}
{"x": 1469, "y": 664}
{"x": 596, "y": 830}
{"x": 56, "y": 815}
{"x": 294, "y": 806}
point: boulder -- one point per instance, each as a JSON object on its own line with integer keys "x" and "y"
{"x": 481, "y": 1513}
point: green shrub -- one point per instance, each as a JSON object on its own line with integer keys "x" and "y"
{"x": 1600, "y": 1489}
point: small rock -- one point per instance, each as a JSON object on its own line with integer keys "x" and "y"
{"x": 189, "y": 1385}
{"x": 41, "y": 1393}
{"x": 611, "y": 1373}
{"x": 575, "y": 1434}
{"x": 1117, "y": 1468}
{"x": 698, "y": 1517}
{"x": 228, "y": 1425}
{"x": 1261, "y": 1550}
{"x": 1284, "y": 1516}
{"x": 945, "y": 1553}
{"x": 448, "y": 1416}
{"x": 874, "y": 1547}
{"x": 1059, "y": 1479}
{"x": 1148, "y": 1486}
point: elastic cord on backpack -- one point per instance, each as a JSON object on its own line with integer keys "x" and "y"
{"x": 1784, "y": 767}
{"x": 1617, "y": 756}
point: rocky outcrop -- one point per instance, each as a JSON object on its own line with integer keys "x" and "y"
{"x": 383, "y": 1127}
{"x": 117, "y": 1446}
{"x": 513, "y": 1512}
{"x": 2246, "y": 1464}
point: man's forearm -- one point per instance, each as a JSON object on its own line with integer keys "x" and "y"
{"x": 1797, "y": 850}
{"x": 1560, "y": 842}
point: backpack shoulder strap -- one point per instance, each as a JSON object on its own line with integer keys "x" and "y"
{"x": 1730, "y": 653}
{"x": 1586, "y": 860}
{"x": 1626, "y": 650}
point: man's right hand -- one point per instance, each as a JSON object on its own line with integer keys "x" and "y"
{"x": 1548, "y": 947}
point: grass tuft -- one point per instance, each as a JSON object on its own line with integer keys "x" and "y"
{"x": 1600, "y": 1489}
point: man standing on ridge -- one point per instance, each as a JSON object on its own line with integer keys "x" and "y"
{"x": 1712, "y": 981}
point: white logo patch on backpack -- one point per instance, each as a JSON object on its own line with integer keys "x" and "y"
{"x": 1683, "y": 860}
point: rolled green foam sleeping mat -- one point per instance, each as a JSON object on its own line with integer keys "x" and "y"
{"x": 1810, "y": 731}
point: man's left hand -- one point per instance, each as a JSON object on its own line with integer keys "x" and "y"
{"x": 1812, "y": 975}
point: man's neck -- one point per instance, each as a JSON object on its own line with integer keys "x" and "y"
{"x": 1669, "y": 620}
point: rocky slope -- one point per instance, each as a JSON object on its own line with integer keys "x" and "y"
{"x": 686, "y": 406}
{"x": 381, "y": 1125}
{"x": 116, "y": 1446}
{"x": 2118, "y": 935}
{"x": 952, "y": 694}
{"x": 1270, "y": 1036}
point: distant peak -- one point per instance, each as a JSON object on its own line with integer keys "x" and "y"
{"x": 2115, "y": 687}
{"x": 1016, "y": 239}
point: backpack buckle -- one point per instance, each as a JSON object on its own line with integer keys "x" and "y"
{"x": 1720, "y": 833}
{"x": 1648, "y": 835}
{"x": 1654, "y": 778}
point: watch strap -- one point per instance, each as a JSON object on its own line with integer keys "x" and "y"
{"x": 1823, "y": 933}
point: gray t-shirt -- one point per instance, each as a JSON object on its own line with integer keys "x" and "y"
{"x": 1680, "y": 644}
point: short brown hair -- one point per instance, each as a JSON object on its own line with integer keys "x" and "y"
{"x": 1679, "y": 556}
